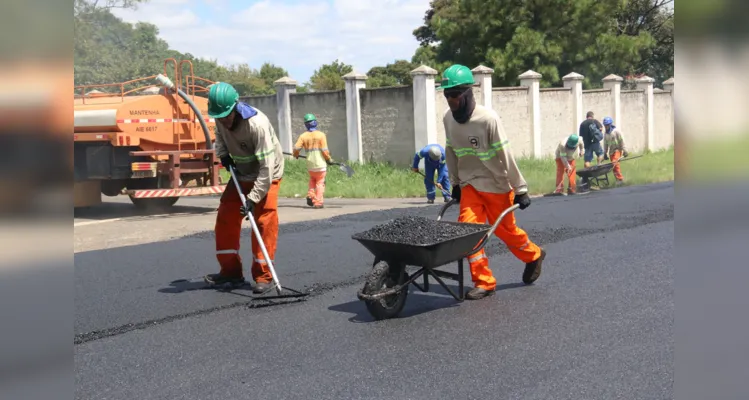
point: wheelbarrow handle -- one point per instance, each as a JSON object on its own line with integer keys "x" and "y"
{"x": 256, "y": 231}
{"x": 485, "y": 238}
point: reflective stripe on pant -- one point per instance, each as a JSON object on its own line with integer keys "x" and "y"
{"x": 316, "y": 186}
{"x": 476, "y": 207}
{"x": 571, "y": 176}
{"x": 229, "y": 227}
{"x": 617, "y": 167}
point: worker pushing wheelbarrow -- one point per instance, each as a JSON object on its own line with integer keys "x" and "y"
{"x": 488, "y": 185}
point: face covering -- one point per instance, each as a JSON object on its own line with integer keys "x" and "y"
{"x": 465, "y": 110}
{"x": 311, "y": 125}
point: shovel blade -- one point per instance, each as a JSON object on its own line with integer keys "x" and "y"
{"x": 347, "y": 170}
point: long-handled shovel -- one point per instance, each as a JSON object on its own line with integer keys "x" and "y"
{"x": 256, "y": 231}
{"x": 444, "y": 193}
{"x": 343, "y": 167}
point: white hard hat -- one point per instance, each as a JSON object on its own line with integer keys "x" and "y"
{"x": 435, "y": 153}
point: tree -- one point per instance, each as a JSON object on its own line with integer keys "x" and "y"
{"x": 657, "y": 19}
{"x": 394, "y": 74}
{"x": 552, "y": 37}
{"x": 270, "y": 73}
{"x": 330, "y": 76}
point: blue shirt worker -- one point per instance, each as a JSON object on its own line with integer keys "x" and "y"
{"x": 434, "y": 160}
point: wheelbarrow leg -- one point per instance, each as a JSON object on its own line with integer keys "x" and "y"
{"x": 460, "y": 279}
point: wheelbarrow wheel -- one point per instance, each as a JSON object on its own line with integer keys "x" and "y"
{"x": 383, "y": 277}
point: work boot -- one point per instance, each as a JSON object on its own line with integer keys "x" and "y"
{"x": 218, "y": 279}
{"x": 309, "y": 201}
{"x": 478, "y": 294}
{"x": 447, "y": 199}
{"x": 430, "y": 201}
{"x": 571, "y": 192}
{"x": 318, "y": 206}
{"x": 261, "y": 287}
{"x": 533, "y": 269}
{"x": 619, "y": 182}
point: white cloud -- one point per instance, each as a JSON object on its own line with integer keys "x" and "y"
{"x": 298, "y": 36}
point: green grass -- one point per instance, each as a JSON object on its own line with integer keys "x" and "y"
{"x": 379, "y": 180}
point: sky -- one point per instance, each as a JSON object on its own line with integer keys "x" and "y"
{"x": 298, "y": 35}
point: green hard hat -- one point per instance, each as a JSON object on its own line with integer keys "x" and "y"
{"x": 572, "y": 141}
{"x": 456, "y": 75}
{"x": 222, "y": 97}
{"x": 309, "y": 117}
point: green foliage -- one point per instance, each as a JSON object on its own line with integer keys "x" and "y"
{"x": 330, "y": 76}
{"x": 395, "y": 74}
{"x": 553, "y": 37}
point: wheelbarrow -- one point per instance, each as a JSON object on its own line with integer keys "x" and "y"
{"x": 599, "y": 173}
{"x": 386, "y": 287}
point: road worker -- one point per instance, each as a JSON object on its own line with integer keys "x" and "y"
{"x": 486, "y": 179}
{"x": 245, "y": 140}
{"x": 434, "y": 160}
{"x": 590, "y": 131}
{"x": 613, "y": 147}
{"x": 565, "y": 157}
{"x": 315, "y": 145}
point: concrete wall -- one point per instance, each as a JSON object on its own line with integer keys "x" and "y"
{"x": 633, "y": 123}
{"x": 556, "y": 118}
{"x": 387, "y": 122}
{"x": 598, "y": 101}
{"x": 266, "y": 104}
{"x": 513, "y": 107}
{"x": 330, "y": 110}
{"x": 664, "y": 120}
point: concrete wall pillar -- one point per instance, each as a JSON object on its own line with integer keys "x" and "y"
{"x": 669, "y": 87}
{"x": 483, "y": 76}
{"x": 354, "y": 82}
{"x": 284, "y": 87}
{"x": 532, "y": 80}
{"x": 614, "y": 83}
{"x": 574, "y": 81}
{"x": 425, "y": 121}
{"x": 646, "y": 83}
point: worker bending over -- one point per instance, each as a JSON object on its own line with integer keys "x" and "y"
{"x": 613, "y": 147}
{"x": 434, "y": 160}
{"x": 315, "y": 145}
{"x": 565, "y": 156}
{"x": 480, "y": 162}
{"x": 245, "y": 140}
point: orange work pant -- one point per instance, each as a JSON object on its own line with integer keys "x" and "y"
{"x": 475, "y": 208}
{"x": 316, "y": 186}
{"x": 572, "y": 184}
{"x": 617, "y": 167}
{"x": 229, "y": 227}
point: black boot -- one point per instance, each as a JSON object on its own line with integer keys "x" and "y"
{"x": 478, "y": 293}
{"x": 218, "y": 279}
{"x": 309, "y": 201}
{"x": 533, "y": 269}
{"x": 430, "y": 201}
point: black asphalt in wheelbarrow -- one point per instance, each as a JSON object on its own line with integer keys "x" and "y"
{"x": 600, "y": 172}
{"x": 393, "y": 256}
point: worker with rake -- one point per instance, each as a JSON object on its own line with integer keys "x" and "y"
{"x": 315, "y": 144}
{"x": 434, "y": 160}
{"x": 613, "y": 147}
{"x": 477, "y": 152}
{"x": 246, "y": 141}
{"x": 565, "y": 157}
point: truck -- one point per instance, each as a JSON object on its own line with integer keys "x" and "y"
{"x": 147, "y": 138}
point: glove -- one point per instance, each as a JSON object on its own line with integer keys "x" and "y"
{"x": 625, "y": 153}
{"x": 248, "y": 210}
{"x": 524, "y": 200}
{"x": 605, "y": 156}
{"x": 456, "y": 193}
{"x": 227, "y": 161}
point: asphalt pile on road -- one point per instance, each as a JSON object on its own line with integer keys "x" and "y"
{"x": 417, "y": 231}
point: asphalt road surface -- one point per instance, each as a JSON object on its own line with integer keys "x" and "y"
{"x": 598, "y": 324}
